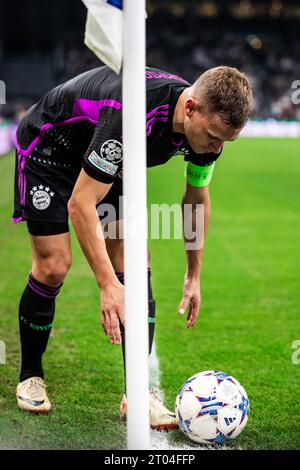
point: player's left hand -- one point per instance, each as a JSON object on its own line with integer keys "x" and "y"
{"x": 191, "y": 298}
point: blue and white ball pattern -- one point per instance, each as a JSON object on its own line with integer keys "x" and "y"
{"x": 212, "y": 407}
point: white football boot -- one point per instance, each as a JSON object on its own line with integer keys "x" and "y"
{"x": 160, "y": 417}
{"x": 31, "y": 396}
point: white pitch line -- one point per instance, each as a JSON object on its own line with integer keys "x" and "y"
{"x": 160, "y": 439}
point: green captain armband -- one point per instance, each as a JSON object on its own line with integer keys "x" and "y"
{"x": 198, "y": 176}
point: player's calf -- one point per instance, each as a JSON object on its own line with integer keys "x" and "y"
{"x": 36, "y": 314}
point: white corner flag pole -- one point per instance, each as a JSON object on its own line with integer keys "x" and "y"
{"x": 135, "y": 224}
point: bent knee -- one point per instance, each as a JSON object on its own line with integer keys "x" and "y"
{"x": 52, "y": 270}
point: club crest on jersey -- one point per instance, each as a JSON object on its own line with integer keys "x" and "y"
{"x": 112, "y": 151}
{"x": 41, "y": 197}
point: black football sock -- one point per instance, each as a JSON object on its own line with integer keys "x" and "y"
{"x": 151, "y": 316}
{"x": 36, "y": 313}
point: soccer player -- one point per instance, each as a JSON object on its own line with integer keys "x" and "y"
{"x": 69, "y": 161}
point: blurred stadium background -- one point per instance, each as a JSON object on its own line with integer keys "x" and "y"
{"x": 186, "y": 36}
{"x": 250, "y": 314}
{"x": 43, "y": 44}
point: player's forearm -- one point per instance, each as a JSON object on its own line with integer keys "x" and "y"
{"x": 199, "y": 228}
{"x": 86, "y": 224}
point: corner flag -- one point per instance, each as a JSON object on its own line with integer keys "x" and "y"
{"x": 104, "y": 30}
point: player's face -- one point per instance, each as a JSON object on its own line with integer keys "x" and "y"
{"x": 206, "y": 133}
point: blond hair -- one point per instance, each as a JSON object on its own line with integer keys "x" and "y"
{"x": 225, "y": 91}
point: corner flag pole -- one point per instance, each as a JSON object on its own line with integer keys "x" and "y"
{"x": 135, "y": 224}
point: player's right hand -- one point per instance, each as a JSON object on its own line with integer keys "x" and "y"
{"x": 112, "y": 310}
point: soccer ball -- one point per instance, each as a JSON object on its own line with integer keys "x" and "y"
{"x": 212, "y": 407}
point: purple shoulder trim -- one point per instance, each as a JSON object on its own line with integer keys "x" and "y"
{"x": 91, "y": 108}
{"x": 83, "y": 110}
{"x": 160, "y": 113}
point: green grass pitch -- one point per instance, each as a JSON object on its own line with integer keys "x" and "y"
{"x": 249, "y": 316}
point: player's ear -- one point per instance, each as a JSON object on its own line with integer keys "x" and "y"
{"x": 190, "y": 107}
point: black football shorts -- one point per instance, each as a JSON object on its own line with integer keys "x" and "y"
{"x": 42, "y": 190}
